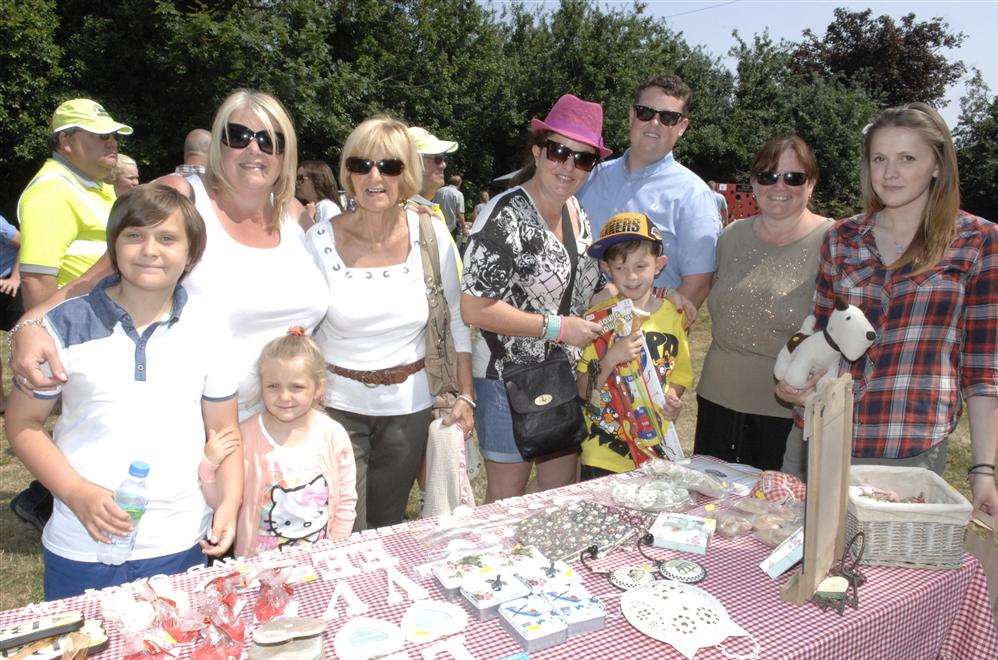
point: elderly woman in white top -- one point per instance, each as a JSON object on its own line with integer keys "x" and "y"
{"x": 374, "y": 333}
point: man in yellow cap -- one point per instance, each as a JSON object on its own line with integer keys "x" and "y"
{"x": 63, "y": 210}
{"x": 433, "y": 150}
{"x": 63, "y": 216}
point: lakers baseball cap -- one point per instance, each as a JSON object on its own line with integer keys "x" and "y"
{"x": 628, "y": 226}
{"x": 428, "y": 144}
{"x": 88, "y": 115}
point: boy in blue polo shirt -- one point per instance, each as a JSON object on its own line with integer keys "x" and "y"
{"x": 147, "y": 378}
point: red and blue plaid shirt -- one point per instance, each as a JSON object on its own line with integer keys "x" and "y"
{"x": 937, "y": 333}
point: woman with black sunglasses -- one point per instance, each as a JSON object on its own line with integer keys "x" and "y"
{"x": 316, "y": 189}
{"x": 256, "y": 271}
{"x": 374, "y": 333}
{"x": 762, "y": 290}
{"x": 517, "y": 270}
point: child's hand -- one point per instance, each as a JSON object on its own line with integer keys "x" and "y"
{"x": 223, "y": 531}
{"x": 95, "y": 508}
{"x": 220, "y": 445}
{"x": 673, "y": 406}
{"x": 624, "y": 349}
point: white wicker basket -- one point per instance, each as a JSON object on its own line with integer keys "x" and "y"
{"x": 926, "y": 535}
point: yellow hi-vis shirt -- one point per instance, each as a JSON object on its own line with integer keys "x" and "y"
{"x": 63, "y": 218}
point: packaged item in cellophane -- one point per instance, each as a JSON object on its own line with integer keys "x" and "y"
{"x": 630, "y": 406}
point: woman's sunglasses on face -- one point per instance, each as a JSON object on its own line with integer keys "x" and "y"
{"x": 769, "y": 178}
{"x": 665, "y": 117}
{"x": 387, "y": 166}
{"x": 237, "y": 136}
{"x": 559, "y": 153}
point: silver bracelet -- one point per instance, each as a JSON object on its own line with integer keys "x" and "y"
{"x": 468, "y": 400}
{"x": 20, "y": 325}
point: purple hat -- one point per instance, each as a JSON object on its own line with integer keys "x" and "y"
{"x": 576, "y": 119}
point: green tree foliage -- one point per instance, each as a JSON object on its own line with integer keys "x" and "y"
{"x": 977, "y": 149}
{"x": 896, "y": 62}
{"x": 31, "y": 76}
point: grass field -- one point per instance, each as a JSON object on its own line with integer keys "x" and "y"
{"x": 20, "y": 546}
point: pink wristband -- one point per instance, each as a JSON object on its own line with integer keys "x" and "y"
{"x": 561, "y": 330}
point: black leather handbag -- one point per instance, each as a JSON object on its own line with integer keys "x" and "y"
{"x": 543, "y": 401}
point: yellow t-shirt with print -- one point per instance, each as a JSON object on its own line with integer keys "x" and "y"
{"x": 63, "y": 220}
{"x": 666, "y": 342}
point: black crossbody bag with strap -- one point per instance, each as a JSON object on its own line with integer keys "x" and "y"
{"x": 543, "y": 401}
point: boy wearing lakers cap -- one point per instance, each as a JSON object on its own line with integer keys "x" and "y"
{"x": 630, "y": 251}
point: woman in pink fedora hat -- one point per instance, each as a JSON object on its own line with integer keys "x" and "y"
{"x": 527, "y": 281}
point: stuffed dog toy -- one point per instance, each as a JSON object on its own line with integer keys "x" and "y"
{"x": 848, "y": 333}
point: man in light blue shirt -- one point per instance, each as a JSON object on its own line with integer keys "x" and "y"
{"x": 648, "y": 179}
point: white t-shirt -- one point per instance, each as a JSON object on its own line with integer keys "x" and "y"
{"x": 137, "y": 397}
{"x": 376, "y": 319}
{"x": 260, "y": 291}
{"x": 326, "y": 210}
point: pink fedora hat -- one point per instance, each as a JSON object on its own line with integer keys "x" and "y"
{"x": 576, "y": 119}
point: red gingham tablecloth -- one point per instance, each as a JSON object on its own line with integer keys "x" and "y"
{"x": 903, "y": 613}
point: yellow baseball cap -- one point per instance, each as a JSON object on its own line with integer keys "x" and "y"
{"x": 88, "y": 115}
{"x": 627, "y": 226}
{"x": 428, "y": 144}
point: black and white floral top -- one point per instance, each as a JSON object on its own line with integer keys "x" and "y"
{"x": 514, "y": 257}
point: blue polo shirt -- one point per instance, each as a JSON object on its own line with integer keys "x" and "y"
{"x": 673, "y": 197}
{"x": 8, "y": 253}
{"x": 137, "y": 396}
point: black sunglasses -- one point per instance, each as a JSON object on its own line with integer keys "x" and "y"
{"x": 665, "y": 117}
{"x": 237, "y": 136}
{"x": 559, "y": 153}
{"x": 387, "y": 166}
{"x": 438, "y": 159}
{"x": 769, "y": 177}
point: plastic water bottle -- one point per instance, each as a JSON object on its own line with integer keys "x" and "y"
{"x": 132, "y": 497}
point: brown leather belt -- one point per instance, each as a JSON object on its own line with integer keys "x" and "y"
{"x": 390, "y": 376}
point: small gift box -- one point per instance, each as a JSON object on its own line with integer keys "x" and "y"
{"x": 533, "y": 623}
{"x": 485, "y": 596}
{"x": 581, "y": 611}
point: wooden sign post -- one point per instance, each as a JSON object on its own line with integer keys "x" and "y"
{"x": 828, "y": 434}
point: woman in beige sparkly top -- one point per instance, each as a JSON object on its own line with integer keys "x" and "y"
{"x": 762, "y": 290}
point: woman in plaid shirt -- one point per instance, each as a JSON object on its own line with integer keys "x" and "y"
{"x": 926, "y": 275}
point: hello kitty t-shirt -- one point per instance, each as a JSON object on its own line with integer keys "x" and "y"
{"x": 294, "y": 498}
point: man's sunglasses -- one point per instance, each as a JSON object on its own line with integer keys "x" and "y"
{"x": 769, "y": 177}
{"x": 387, "y": 166}
{"x": 237, "y": 136}
{"x": 438, "y": 159}
{"x": 665, "y": 117}
{"x": 559, "y": 153}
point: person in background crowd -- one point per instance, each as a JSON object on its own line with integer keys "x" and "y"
{"x": 62, "y": 214}
{"x": 649, "y": 179}
{"x": 483, "y": 199}
{"x": 514, "y": 302}
{"x": 375, "y": 353}
{"x": 256, "y": 271}
{"x": 451, "y": 201}
{"x": 763, "y": 289}
{"x": 722, "y": 202}
{"x": 434, "y": 152}
{"x": 196, "y": 146}
{"x": 926, "y": 275}
{"x": 11, "y": 306}
{"x": 125, "y": 174}
{"x": 316, "y": 188}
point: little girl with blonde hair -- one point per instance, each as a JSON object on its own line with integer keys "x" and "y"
{"x": 300, "y": 475}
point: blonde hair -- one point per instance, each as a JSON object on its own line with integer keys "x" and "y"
{"x": 275, "y": 119}
{"x": 296, "y": 344}
{"x": 123, "y": 160}
{"x": 383, "y": 137}
{"x": 938, "y": 223}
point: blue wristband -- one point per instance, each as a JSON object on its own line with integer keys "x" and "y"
{"x": 553, "y": 328}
